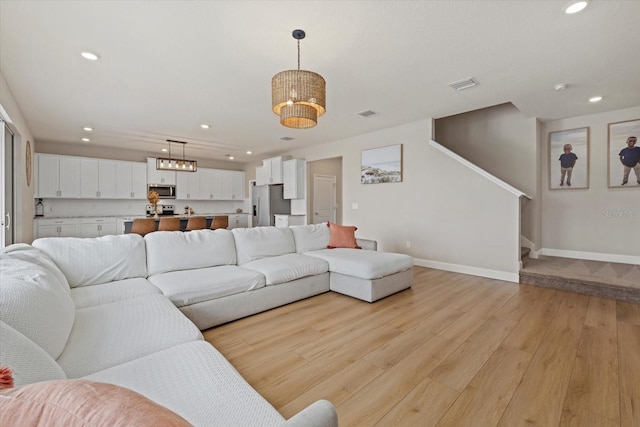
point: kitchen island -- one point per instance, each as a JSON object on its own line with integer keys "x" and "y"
{"x": 236, "y": 220}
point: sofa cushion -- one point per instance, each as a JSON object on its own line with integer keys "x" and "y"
{"x": 81, "y": 403}
{"x": 311, "y": 237}
{"x": 28, "y": 362}
{"x": 342, "y": 236}
{"x": 285, "y": 268}
{"x": 363, "y": 264}
{"x": 89, "y": 296}
{"x": 193, "y": 286}
{"x": 201, "y": 386}
{"x": 260, "y": 242}
{"x": 98, "y": 260}
{"x": 107, "y": 335}
{"x": 33, "y": 300}
{"x": 171, "y": 251}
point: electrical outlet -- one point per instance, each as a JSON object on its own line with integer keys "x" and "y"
{"x": 408, "y": 243}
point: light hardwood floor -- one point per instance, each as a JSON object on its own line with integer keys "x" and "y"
{"x": 455, "y": 350}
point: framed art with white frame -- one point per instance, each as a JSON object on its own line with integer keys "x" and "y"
{"x": 624, "y": 154}
{"x": 569, "y": 159}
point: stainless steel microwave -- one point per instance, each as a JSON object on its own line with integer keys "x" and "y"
{"x": 164, "y": 191}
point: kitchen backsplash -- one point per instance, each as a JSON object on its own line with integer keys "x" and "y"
{"x": 74, "y": 207}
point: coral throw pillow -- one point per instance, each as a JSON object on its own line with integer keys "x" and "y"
{"x": 342, "y": 236}
{"x": 81, "y": 403}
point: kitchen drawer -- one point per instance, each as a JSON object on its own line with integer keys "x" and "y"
{"x": 58, "y": 221}
{"x": 98, "y": 220}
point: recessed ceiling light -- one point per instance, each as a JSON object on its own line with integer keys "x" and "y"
{"x": 88, "y": 129}
{"x": 575, "y": 7}
{"x": 164, "y": 150}
{"x": 595, "y": 99}
{"x": 204, "y": 126}
{"x": 90, "y": 56}
{"x": 249, "y": 152}
{"x": 229, "y": 156}
{"x": 560, "y": 86}
{"x": 286, "y": 138}
{"x": 85, "y": 140}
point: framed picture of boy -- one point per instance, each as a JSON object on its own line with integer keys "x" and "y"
{"x": 569, "y": 159}
{"x": 624, "y": 154}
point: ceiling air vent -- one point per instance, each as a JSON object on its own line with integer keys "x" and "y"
{"x": 286, "y": 138}
{"x": 463, "y": 84}
{"x": 367, "y": 113}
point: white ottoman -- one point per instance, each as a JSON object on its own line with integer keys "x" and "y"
{"x": 366, "y": 275}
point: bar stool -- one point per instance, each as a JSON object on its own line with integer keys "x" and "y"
{"x": 196, "y": 223}
{"x": 143, "y": 226}
{"x": 219, "y": 222}
{"x": 169, "y": 224}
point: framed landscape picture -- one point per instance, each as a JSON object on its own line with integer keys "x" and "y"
{"x": 382, "y": 164}
{"x": 624, "y": 154}
{"x": 569, "y": 159}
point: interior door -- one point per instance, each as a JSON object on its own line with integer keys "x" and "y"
{"x": 324, "y": 198}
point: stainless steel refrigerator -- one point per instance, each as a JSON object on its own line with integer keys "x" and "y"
{"x": 268, "y": 200}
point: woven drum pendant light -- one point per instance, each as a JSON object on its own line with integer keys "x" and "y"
{"x": 298, "y": 96}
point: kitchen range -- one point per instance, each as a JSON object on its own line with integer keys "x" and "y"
{"x": 161, "y": 210}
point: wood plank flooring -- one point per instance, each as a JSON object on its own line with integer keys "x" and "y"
{"x": 455, "y": 350}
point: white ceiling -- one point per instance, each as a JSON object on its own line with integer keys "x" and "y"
{"x": 166, "y": 67}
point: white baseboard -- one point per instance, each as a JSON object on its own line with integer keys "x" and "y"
{"x": 593, "y": 256}
{"x": 465, "y": 269}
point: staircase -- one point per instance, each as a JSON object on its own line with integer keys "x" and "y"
{"x": 601, "y": 279}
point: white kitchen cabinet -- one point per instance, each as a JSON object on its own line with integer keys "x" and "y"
{"x": 155, "y": 176}
{"x": 216, "y": 184}
{"x": 284, "y": 221}
{"x": 96, "y": 227}
{"x": 238, "y": 221}
{"x": 293, "y": 173}
{"x": 97, "y": 179}
{"x": 206, "y": 184}
{"x": 271, "y": 171}
{"x": 261, "y": 176}
{"x": 237, "y": 185}
{"x": 58, "y": 227}
{"x": 131, "y": 180}
{"x": 188, "y": 186}
{"x": 226, "y": 177}
{"x": 58, "y": 176}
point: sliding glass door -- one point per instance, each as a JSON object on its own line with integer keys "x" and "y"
{"x": 7, "y": 198}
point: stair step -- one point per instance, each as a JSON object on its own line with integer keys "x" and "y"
{"x": 524, "y": 253}
{"x": 581, "y": 286}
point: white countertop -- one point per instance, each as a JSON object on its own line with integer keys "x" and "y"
{"x": 131, "y": 217}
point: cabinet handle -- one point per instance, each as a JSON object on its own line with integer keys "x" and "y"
{"x": 97, "y": 194}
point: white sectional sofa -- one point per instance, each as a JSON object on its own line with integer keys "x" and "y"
{"x": 128, "y": 311}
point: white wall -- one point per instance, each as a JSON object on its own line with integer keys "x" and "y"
{"x": 447, "y": 220}
{"x": 595, "y": 223}
{"x": 502, "y": 141}
{"x": 23, "y": 222}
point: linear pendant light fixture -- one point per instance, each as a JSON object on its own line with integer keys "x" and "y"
{"x": 298, "y": 96}
{"x": 179, "y": 165}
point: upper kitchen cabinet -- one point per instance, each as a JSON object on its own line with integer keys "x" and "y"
{"x": 131, "y": 180}
{"x": 97, "y": 179}
{"x": 57, "y": 176}
{"x": 293, "y": 172}
{"x": 155, "y": 176}
{"x": 237, "y": 185}
{"x": 188, "y": 186}
{"x": 271, "y": 171}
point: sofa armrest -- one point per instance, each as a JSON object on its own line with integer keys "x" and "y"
{"x": 318, "y": 414}
{"x": 370, "y": 245}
